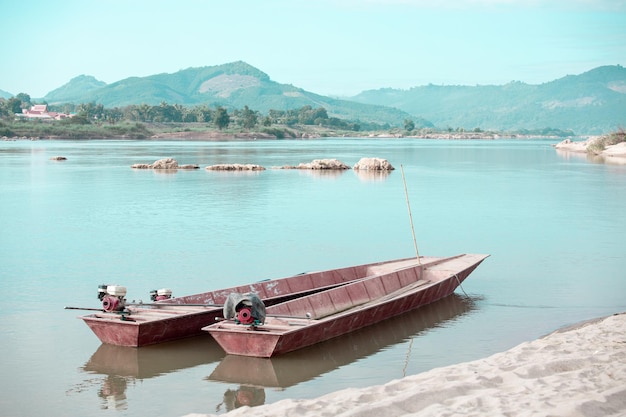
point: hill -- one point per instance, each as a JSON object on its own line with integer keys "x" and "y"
{"x": 77, "y": 87}
{"x": 5, "y": 94}
{"x": 232, "y": 85}
{"x": 590, "y": 103}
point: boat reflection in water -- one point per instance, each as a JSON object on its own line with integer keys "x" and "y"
{"x": 245, "y": 395}
{"x": 253, "y": 374}
{"x": 122, "y": 366}
{"x": 112, "y": 392}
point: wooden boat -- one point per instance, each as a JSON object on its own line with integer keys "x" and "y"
{"x": 305, "y": 364}
{"x": 177, "y": 318}
{"x": 391, "y": 289}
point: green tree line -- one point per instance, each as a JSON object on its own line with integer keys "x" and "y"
{"x": 220, "y": 117}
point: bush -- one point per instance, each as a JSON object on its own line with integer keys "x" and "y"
{"x": 79, "y": 119}
{"x": 279, "y": 133}
{"x": 616, "y": 137}
{"x": 5, "y": 131}
{"x": 601, "y": 143}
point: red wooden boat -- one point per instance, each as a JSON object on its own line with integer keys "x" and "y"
{"x": 293, "y": 368}
{"x": 176, "y": 318}
{"x": 391, "y": 289}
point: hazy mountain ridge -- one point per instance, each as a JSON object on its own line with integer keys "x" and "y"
{"x": 77, "y": 86}
{"x": 233, "y": 85}
{"x": 590, "y": 103}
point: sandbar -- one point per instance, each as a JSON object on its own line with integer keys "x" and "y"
{"x": 574, "y": 371}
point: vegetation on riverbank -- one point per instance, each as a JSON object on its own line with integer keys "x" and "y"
{"x": 601, "y": 143}
{"x": 166, "y": 121}
{"x": 66, "y": 129}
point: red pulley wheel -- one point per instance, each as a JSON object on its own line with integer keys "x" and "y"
{"x": 245, "y": 316}
{"x": 110, "y": 303}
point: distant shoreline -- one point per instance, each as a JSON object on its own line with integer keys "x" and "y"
{"x": 211, "y": 135}
{"x": 82, "y": 129}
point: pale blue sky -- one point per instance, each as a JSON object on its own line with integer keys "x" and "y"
{"x": 335, "y": 48}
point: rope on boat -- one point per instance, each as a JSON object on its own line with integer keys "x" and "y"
{"x": 460, "y": 285}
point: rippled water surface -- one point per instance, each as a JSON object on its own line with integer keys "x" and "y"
{"x": 553, "y": 223}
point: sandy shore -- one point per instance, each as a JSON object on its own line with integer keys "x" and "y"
{"x": 578, "y": 371}
{"x": 612, "y": 151}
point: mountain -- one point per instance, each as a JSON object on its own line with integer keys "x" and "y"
{"x": 232, "y": 85}
{"x": 590, "y": 103}
{"x": 77, "y": 87}
{"x": 5, "y": 94}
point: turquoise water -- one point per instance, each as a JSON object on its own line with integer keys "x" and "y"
{"x": 553, "y": 223}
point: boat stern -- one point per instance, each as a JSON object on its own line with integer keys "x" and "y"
{"x": 113, "y": 332}
{"x": 244, "y": 340}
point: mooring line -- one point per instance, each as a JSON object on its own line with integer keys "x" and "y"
{"x": 460, "y": 285}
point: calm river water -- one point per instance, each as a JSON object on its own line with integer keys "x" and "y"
{"x": 553, "y": 223}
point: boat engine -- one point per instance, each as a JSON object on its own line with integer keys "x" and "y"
{"x": 162, "y": 294}
{"x": 112, "y": 297}
{"x": 245, "y": 309}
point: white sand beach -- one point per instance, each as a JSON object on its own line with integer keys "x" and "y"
{"x": 616, "y": 151}
{"x": 577, "y": 371}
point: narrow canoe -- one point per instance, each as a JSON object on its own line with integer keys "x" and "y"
{"x": 182, "y": 317}
{"x": 391, "y": 289}
{"x": 295, "y": 367}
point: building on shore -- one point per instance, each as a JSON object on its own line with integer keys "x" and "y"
{"x": 40, "y": 111}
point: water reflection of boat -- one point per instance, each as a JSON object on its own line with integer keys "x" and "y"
{"x": 243, "y": 396}
{"x": 112, "y": 392}
{"x": 153, "y": 360}
{"x": 305, "y": 364}
{"x": 120, "y": 366}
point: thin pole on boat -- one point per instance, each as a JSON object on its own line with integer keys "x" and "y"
{"x": 406, "y": 193}
{"x": 172, "y": 305}
{"x": 84, "y": 308}
{"x": 147, "y": 305}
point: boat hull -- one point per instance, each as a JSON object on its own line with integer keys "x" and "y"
{"x": 370, "y": 301}
{"x": 283, "y": 371}
{"x": 176, "y": 318}
{"x": 111, "y": 329}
